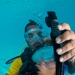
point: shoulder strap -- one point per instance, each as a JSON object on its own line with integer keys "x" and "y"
{"x": 28, "y": 67}
{"x": 11, "y": 60}
{"x": 26, "y": 55}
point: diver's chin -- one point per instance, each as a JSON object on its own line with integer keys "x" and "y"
{"x": 38, "y": 47}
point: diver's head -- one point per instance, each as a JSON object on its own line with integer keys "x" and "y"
{"x": 33, "y": 35}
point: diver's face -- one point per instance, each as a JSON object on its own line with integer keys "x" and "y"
{"x": 34, "y": 36}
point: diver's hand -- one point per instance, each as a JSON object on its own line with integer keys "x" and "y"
{"x": 46, "y": 69}
{"x": 69, "y": 48}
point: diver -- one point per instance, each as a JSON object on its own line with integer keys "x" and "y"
{"x": 35, "y": 38}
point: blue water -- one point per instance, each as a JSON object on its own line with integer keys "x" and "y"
{"x": 14, "y": 15}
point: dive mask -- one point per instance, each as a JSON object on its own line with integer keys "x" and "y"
{"x": 35, "y": 34}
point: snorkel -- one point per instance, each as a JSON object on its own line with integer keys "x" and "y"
{"x": 52, "y": 23}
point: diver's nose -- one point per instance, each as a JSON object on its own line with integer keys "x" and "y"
{"x": 36, "y": 38}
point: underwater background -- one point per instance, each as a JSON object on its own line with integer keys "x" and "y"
{"x": 15, "y": 14}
